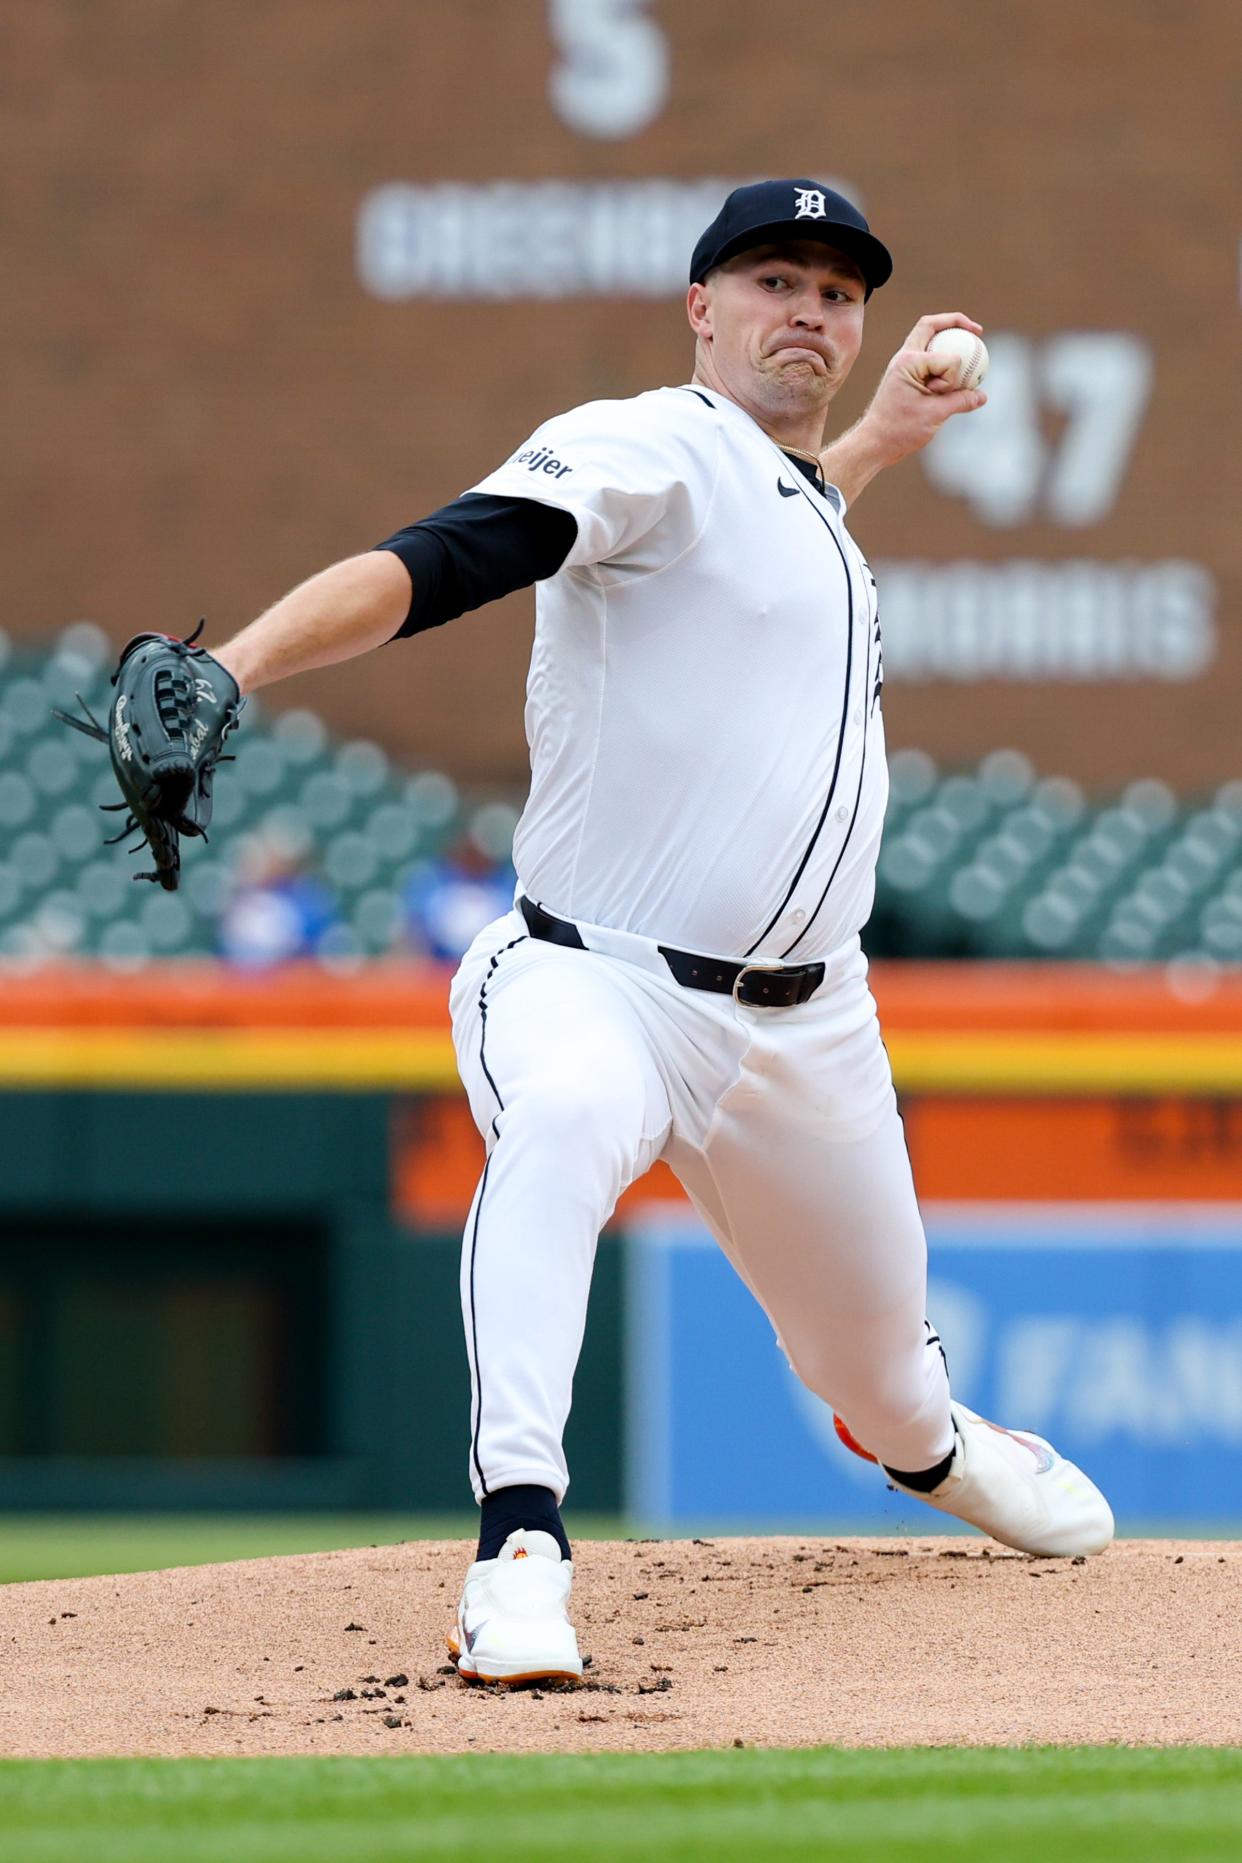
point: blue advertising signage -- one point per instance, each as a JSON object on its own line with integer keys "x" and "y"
{"x": 1113, "y": 1330}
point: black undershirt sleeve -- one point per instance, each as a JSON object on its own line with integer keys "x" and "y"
{"x": 475, "y": 550}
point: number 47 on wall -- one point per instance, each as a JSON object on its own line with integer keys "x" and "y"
{"x": 1012, "y": 462}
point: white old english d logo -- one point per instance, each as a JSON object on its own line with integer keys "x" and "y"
{"x": 810, "y": 205}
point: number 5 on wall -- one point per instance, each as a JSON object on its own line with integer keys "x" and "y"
{"x": 612, "y": 76}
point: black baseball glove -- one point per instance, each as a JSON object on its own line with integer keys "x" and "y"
{"x": 173, "y": 709}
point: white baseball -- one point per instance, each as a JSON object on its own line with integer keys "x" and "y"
{"x": 970, "y": 351}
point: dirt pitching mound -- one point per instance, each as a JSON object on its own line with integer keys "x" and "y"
{"x": 772, "y": 1642}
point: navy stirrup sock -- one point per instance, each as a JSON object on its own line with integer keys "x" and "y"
{"x": 923, "y": 1480}
{"x": 510, "y": 1508}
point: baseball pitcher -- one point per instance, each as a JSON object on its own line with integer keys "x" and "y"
{"x": 681, "y": 976}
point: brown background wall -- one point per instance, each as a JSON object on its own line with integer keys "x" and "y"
{"x": 201, "y": 404}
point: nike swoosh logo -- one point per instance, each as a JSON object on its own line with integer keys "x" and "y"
{"x": 472, "y": 1636}
{"x": 786, "y": 491}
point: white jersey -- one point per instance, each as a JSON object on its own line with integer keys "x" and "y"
{"x": 707, "y": 749}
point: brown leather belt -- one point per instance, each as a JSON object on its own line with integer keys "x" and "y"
{"x": 759, "y": 986}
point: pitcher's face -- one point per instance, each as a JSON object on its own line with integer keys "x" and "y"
{"x": 779, "y": 327}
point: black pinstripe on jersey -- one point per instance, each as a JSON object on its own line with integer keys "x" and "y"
{"x": 862, "y": 772}
{"x": 836, "y": 767}
{"x": 473, "y": 1329}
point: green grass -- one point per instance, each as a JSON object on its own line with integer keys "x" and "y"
{"x": 1087, "y": 1805}
{"x": 81, "y": 1545}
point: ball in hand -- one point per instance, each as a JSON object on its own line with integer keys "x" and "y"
{"x": 970, "y": 353}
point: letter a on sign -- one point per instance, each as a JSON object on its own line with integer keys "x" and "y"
{"x": 810, "y": 205}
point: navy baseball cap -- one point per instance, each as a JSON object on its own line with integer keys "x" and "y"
{"x": 767, "y": 211}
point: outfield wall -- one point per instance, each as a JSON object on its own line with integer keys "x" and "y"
{"x": 283, "y": 278}
{"x": 1114, "y": 1330}
{"x": 228, "y": 1271}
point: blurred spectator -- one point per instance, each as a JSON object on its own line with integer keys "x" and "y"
{"x": 448, "y": 901}
{"x": 277, "y": 908}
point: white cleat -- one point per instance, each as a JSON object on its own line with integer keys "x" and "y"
{"x": 512, "y": 1624}
{"x": 1015, "y": 1486}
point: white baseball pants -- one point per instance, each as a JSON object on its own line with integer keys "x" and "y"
{"x": 583, "y": 1068}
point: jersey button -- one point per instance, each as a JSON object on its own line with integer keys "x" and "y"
{"x": 843, "y": 813}
{"x": 797, "y": 917}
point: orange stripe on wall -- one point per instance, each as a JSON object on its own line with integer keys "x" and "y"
{"x": 1163, "y": 1148}
{"x": 389, "y": 994}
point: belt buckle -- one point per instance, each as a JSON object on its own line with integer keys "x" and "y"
{"x": 744, "y": 972}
